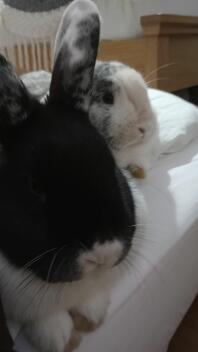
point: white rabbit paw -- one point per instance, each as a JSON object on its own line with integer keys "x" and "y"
{"x": 53, "y": 334}
{"x": 88, "y": 317}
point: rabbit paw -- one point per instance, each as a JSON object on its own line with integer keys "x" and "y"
{"x": 90, "y": 316}
{"x": 136, "y": 171}
{"x": 74, "y": 341}
{"x": 53, "y": 334}
{"x": 82, "y": 323}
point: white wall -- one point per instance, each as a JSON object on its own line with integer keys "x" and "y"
{"x": 179, "y": 7}
{"x": 121, "y": 18}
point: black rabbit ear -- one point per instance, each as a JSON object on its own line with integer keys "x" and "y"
{"x": 76, "y": 48}
{"x": 14, "y": 98}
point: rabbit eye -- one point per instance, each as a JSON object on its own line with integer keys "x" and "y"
{"x": 108, "y": 98}
{"x": 36, "y": 188}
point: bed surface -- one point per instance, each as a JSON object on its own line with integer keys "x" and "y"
{"x": 150, "y": 301}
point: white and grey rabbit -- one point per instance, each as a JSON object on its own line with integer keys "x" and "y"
{"x": 122, "y": 112}
{"x": 67, "y": 215}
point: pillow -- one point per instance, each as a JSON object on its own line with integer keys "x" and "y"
{"x": 177, "y": 119}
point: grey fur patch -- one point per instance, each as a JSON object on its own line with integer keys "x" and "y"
{"x": 103, "y": 94}
{"x": 75, "y": 54}
{"x": 106, "y": 69}
{"x": 13, "y": 95}
{"x": 103, "y": 82}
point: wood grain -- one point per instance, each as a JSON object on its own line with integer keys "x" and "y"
{"x": 167, "y": 54}
{"x": 174, "y": 43}
{"x": 129, "y": 51}
{"x": 169, "y": 24}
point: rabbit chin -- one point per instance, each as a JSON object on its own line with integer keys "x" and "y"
{"x": 26, "y": 297}
{"x": 101, "y": 257}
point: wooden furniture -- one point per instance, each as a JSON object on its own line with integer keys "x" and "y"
{"x": 167, "y": 54}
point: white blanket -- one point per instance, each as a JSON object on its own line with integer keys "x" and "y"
{"x": 177, "y": 119}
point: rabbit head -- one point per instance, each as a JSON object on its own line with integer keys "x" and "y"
{"x": 65, "y": 208}
{"x": 120, "y": 106}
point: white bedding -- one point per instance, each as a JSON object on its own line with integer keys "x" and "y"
{"x": 177, "y": 120}
{"x": 149, "y": 303}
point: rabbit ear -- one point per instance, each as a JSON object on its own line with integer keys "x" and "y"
{"x": 76, "y": 48}
{"x": 14, "y": 99}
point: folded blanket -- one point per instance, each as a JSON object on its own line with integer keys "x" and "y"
{"x": 177, "y": 119}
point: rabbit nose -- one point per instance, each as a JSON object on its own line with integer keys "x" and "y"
{"x": 104, "y": 255}
{"x": 142, "y": 130}
{"x": 107, "y": 254}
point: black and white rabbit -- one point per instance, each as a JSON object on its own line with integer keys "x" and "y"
{"x": 67, "y": 215}
{"x": 122, "y": 112}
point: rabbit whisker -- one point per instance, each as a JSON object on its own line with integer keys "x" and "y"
{"x": 158, "y": 69}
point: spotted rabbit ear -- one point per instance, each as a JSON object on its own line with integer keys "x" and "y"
{"x": 15, "y": 100}
{"x": 75, "y": 54}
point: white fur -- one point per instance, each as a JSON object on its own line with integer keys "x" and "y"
{"x": 52, "y": 333}
{"x": 76, "y": 12}
{"x": 26, "y": 305}
{"x": 67, "y": 38}
{"x": 95, "y": 309}
{"x": 102, "y": 256}
{"x": 132, "y": 131}
{"x": 138, "y": 149}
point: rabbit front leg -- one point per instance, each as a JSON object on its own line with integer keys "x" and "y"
{"x": 136, "y": 171}
{"x": 55, "y": 333}
{"x": 91, "y": 314}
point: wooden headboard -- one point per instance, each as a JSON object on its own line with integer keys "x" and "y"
{"x": 167, "y": 54}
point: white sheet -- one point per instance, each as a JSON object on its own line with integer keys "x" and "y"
{"x": 177, "y": 120}
{"x": 149, "y": 303}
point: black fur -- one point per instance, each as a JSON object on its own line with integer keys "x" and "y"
{"x": 60, "y": 190}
